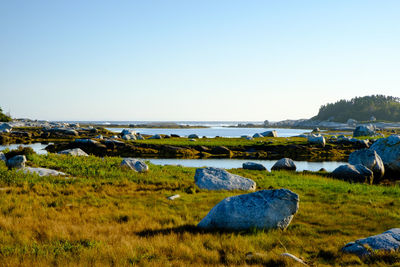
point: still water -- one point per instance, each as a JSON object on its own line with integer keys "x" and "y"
{"x": 237, "y": 163}
{"x": 215, "y": 131}
{"x": 37, "y": 147}
{"x": 218, "y": 163}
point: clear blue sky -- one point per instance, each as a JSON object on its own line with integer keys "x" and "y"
{"x": 193, "y": 60}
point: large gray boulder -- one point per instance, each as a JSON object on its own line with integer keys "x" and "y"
{"x": 371, "y": 160}
{"x": 16, "y": 162}
{"x": 364, "y": 130}
{"x": 193, "y": 136}
{"x": 265, "y": 209}
{"x": 219, "y": 179}
{"x": 284, "y": 164}
{"x": 389, "y": 151}
{"x": 354, "y": 173}
{"x": 388, "y": 241}
{"x": 74, "y": 152}
{"x": 272, "y": 133}
{"x": 316, "y": 139}
{"x": 3, "y": 157}
{"x": 253, "y": 166}
{"x": 135, "y": 164}
{"x": 43, "y": 171}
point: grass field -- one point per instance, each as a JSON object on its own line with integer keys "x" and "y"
{"x": 108, "y": 216}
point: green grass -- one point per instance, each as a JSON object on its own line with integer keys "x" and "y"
{"x": 107, "y": 216}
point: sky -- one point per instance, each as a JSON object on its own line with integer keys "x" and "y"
{"x": 193, "y": 60}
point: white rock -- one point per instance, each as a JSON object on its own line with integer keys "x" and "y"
{"x": 74, "y": 152}
{"x": 135, "y": 164}
{"x": 174, "y": 197}
{"x": 42, "y": 171}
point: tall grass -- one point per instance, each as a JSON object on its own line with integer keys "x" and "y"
{"x": 103, "y": 215}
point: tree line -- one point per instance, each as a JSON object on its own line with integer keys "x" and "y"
{"x": 380, "y": 107}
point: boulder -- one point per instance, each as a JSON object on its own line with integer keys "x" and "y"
{"x": 364, "y": 130}
{"x": 354, "y": 173}
{"x": 270, "y": 134}
{"x": 5, "y": 128}
{"x": 284, "y": 164}
{"x": 175, "y": 135}
{"x": 388, "y": 241}
{"x": 3, "y": 157}
{"x": 253, "y": 166}
{"x": 127, "y": 131}
{"x": 351, "y": 122}
{"x": 193, "y": 136}
{"x": 371, "y": 160}
{"x": 139, "y": 137}
{"x": 389, "y": 151}
{"x": 42, "y": 171}
{"x": 16, "y": 162}
{"x": 129, "y": 137}
{"x": 86, "y": 141}
{"x": 156, "y": 136}
{"x": 219, "y": 179}
{"x": 74, "y": 152}
{"x": 265, "y": 209}
{"x": 257, "y": 135}
{"x": 319, "y": 140}
{"x": 135, "y": 164}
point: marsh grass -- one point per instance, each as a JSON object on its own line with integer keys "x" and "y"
{"x": 108, "y": 216}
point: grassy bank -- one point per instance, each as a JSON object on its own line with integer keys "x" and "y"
{"x": 109, "y": 216}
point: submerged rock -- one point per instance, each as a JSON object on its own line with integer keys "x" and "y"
{"x": 219, "y": 179}
{"x": 371, "y": 160}
{"x": 74, "y": 152}
{"x": 284, "y": 164}
{"x": 388, "y": 241}
{"x": 135, "y": 164}
{"x": 354, "y": 173}
{"x": 253, "y": 166}
{"x": 16, "y": 162}
{"x": 265, "y": 209}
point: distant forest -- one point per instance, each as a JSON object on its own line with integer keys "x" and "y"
{"x": 4, "y": 117}
{"x": 383, "y": 108}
